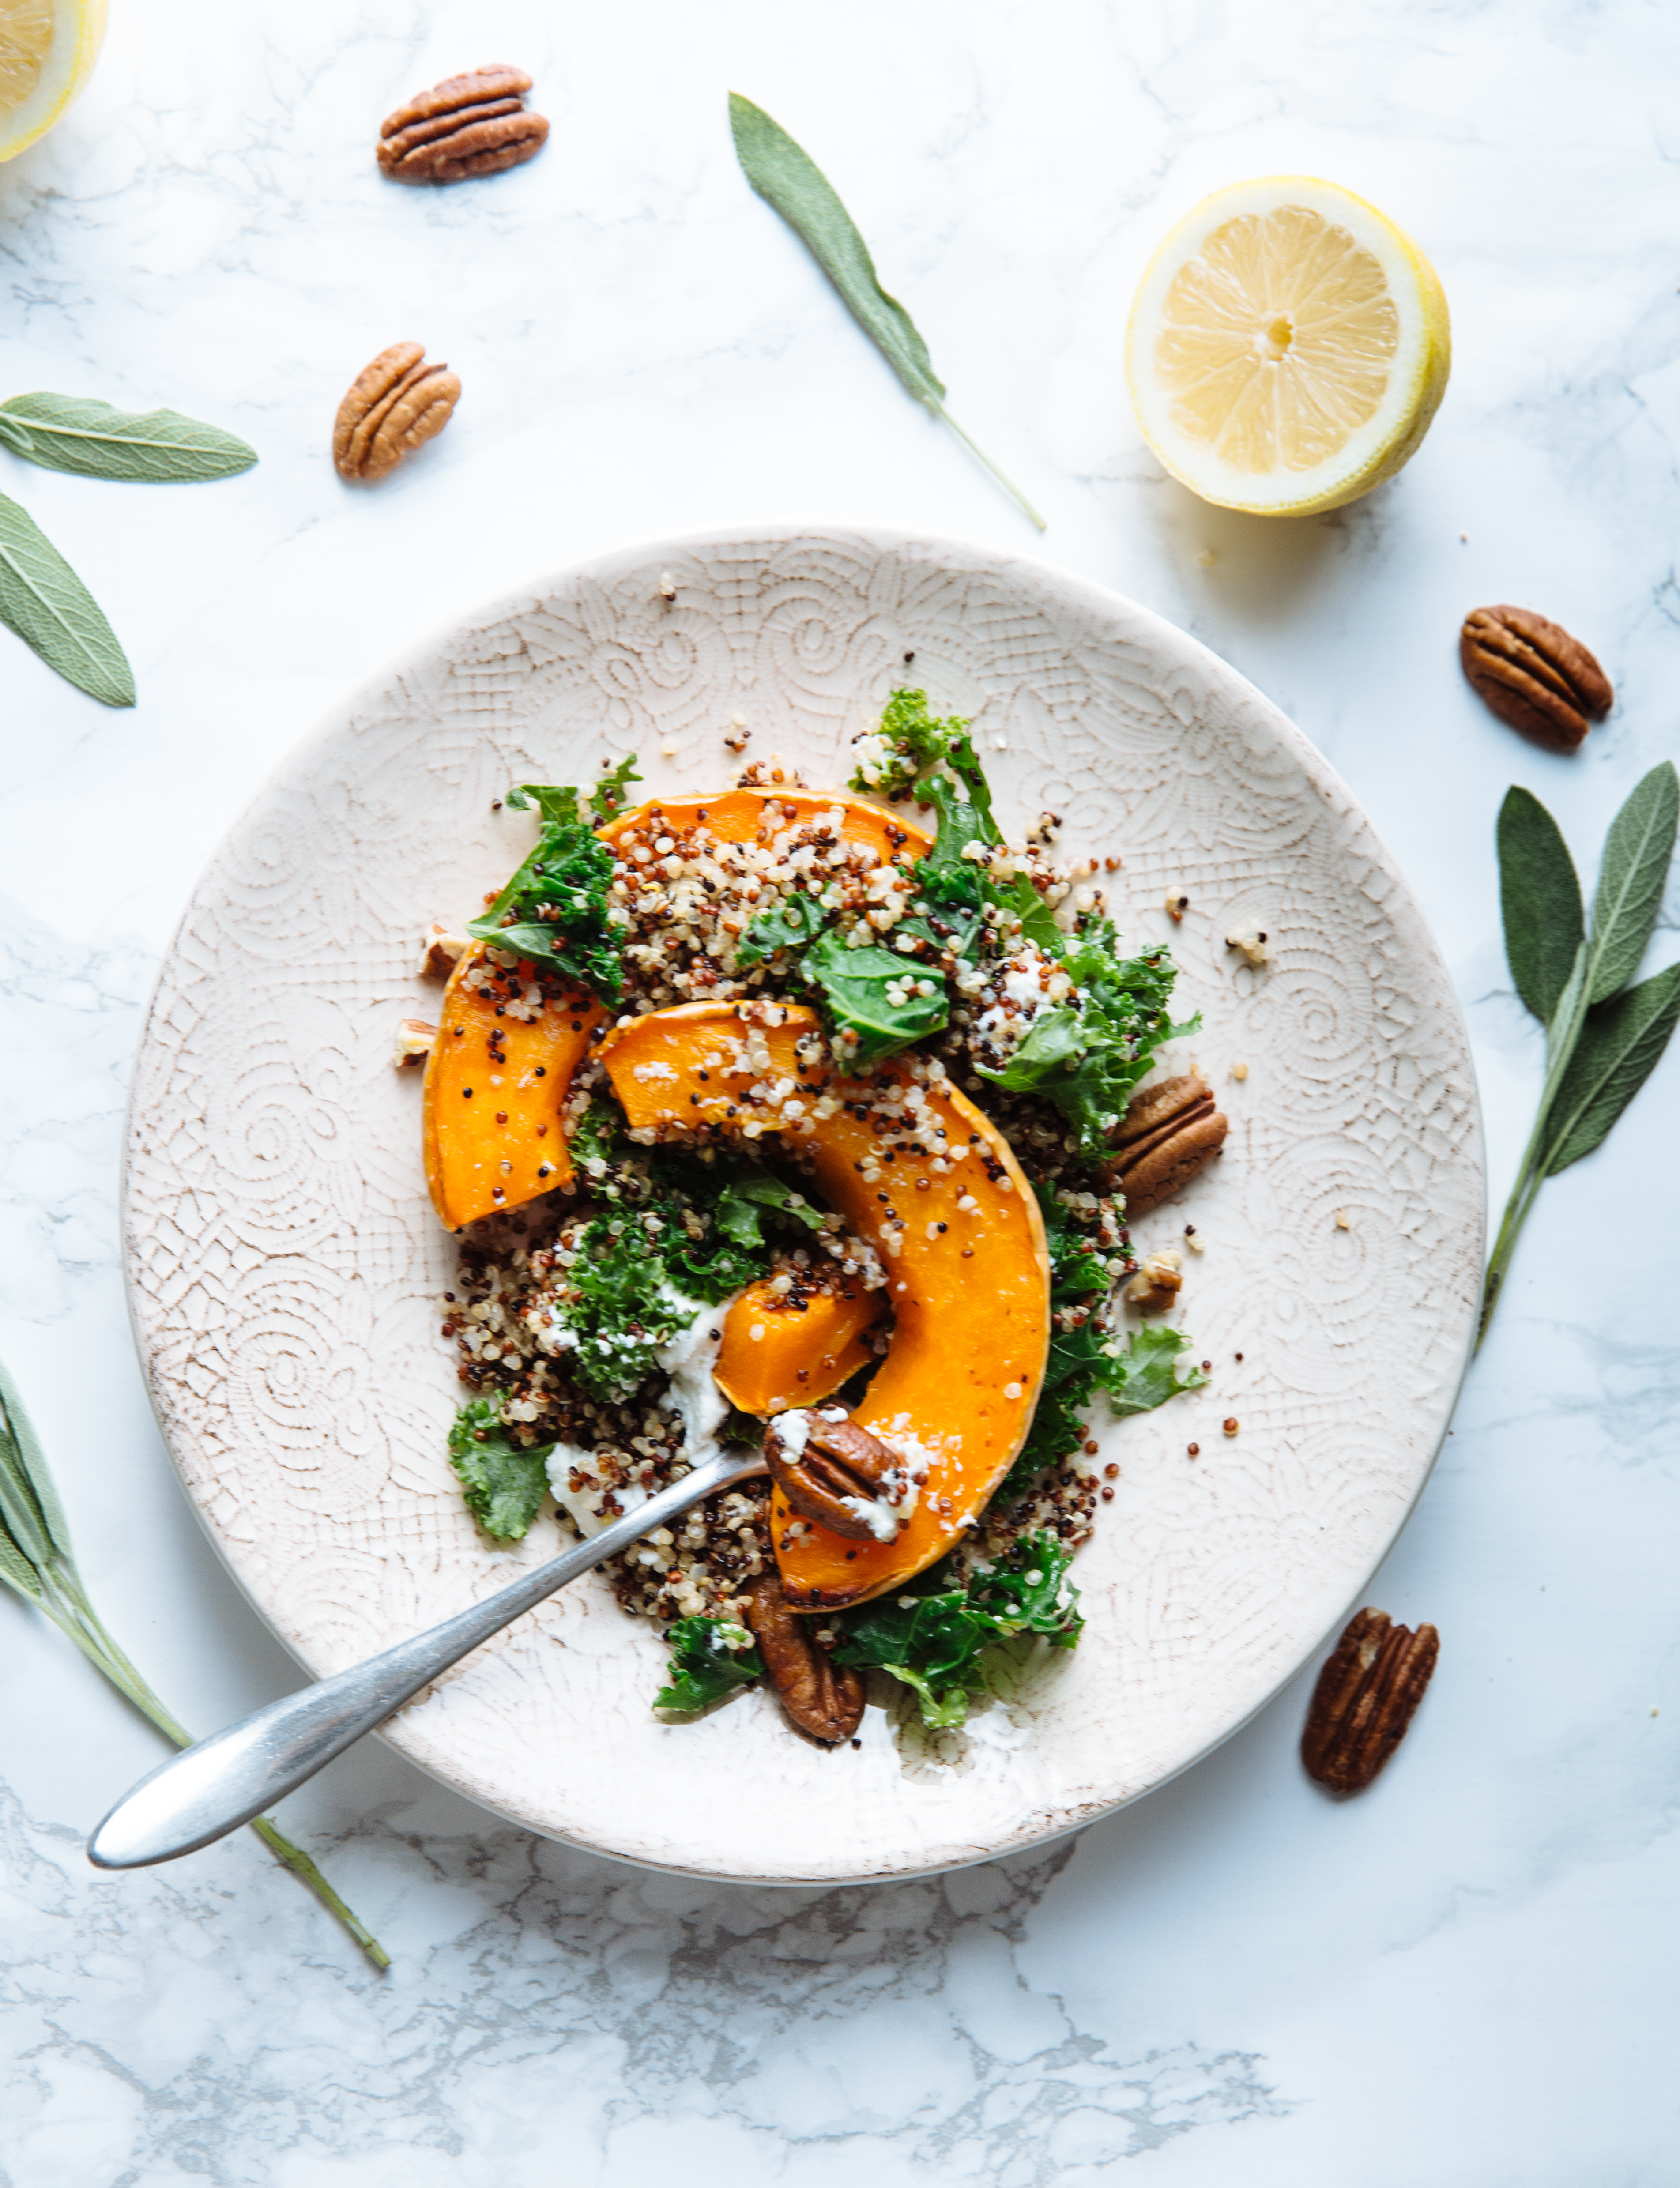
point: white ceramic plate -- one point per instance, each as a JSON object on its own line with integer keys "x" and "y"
{"x": 284, "y": 1262}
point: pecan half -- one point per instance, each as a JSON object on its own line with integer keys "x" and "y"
{"x": 1169, "y": 1132}
{"x": 823, "y": 1698}
{"x": 1534, "y": 676}
{"x": 394, "y": 406}
{"x": 469, "y": 125}
{"x": 830, "y": 1469}
{"x": 1364, "y": 1698}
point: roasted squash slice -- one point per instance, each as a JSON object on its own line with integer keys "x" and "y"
{"x": 958, "y": 1234}
{"x": 778, "y": 1352}
{"x": 743, "y": 817}
{"x": 494, "y": 1087}
{"x": 477, "y": 1164}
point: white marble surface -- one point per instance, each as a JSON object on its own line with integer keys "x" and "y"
{"x": 1464, "y": 1978}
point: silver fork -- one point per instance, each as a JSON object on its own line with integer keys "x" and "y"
{"x": 212, "y": 1788}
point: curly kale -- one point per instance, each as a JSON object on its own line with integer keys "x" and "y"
{"x": 691, "y": 1235}
{"x": 504, "y": 1483}
{"x": 1084, "y": 1359}
{"x": 1087, "y": 1055}
{"x": 936, "y": 1636}
{"x": 710, "y": 1658}
{"x": 554, "y": 912}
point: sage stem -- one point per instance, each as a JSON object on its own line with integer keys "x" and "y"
{"x": 1002, "y": 478}
{"x": 1561, "y": 1036}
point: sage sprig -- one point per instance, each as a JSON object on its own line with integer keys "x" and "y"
{"x": 42, "y": 598}
{"x": 789, "y": 180}
{"x": 37, "y": 1563}
{"x": 1603, "y": 1037}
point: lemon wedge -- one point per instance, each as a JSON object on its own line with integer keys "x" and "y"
{"x": 1288, "y": 348}
{"x": 48, "y": 49}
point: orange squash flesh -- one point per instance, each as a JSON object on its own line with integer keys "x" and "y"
{"x": 502, "y": 1143}
{"x": 743, "y": 816}
{"x": 774, "y": 1356}
{"x": 962, "y": 1243}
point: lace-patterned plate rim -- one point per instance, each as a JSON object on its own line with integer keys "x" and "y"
{"x": 283, "y": 1262}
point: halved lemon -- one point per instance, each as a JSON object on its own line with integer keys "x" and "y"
{"x": 1288, "y": 348}
{"x": 48, "y": 49}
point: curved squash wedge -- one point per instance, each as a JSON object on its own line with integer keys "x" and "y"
{"x": 958, "y": 1234}
{"x": 494, "y": 1087}
{"x": 775, "y": 1354}
{"x": 743, "y": 816}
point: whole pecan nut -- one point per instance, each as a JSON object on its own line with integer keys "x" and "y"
{"x": 394, "y": 406}
{"x": 476, "y": 124}
{"x": 1365, "y": 1699}
{"x": 1534, "y": 676}
{"x": 1170, "y": 1132}
{"x": 823, "y": 1698}
{"x": 831, "y": 1470}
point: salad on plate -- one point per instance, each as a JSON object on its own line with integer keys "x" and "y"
{"x": 778, "y": 1116}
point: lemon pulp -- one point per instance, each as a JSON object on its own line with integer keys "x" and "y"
{"x": 1288, "y": 348}
{"x": 48, "y": 49}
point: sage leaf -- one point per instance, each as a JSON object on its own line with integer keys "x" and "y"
{"x": 27, "y": 1491}
{"x": 17, "y": 1572}
{"x": 787, "y": 178}
{"x": 791, "y": 182}
{"x": 49, "y": 607}
{"x": 73, "y": 433}
{"x": 1539, "y": 902}
{"x": 1631, "y": 876}
{"x": 1616, "y": 1053}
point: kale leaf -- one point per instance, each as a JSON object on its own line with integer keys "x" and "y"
{"x": 710, "y": 1657}
{"x": 643, "y": 1269}
{"x": 1086, "y": 1057}
{"x": 864, "y": 993}
{"x": 788, "y": 925}
{"x": 1149, "y": 1372}
{"x": 712, "y": 1265}
{"x": 611, "y": 794}
{"x": 935, "y": 1636}
{"x": 641, "y": 1274}
{"x": 503, "y": 1482}
{"x": 909, "y": 742}
{"x": 554, "y": 910}
{"x": 1082, "y": 1361}
{"x": 629, "y": 1307}
{"x": 913, "y": 754}
{"x": 567, "y": 807}
{"x": 739, "y": 1208}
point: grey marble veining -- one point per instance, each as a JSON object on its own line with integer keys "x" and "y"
{"x": 1465, "y": 1978}
{"x": 545, "y": 1992}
